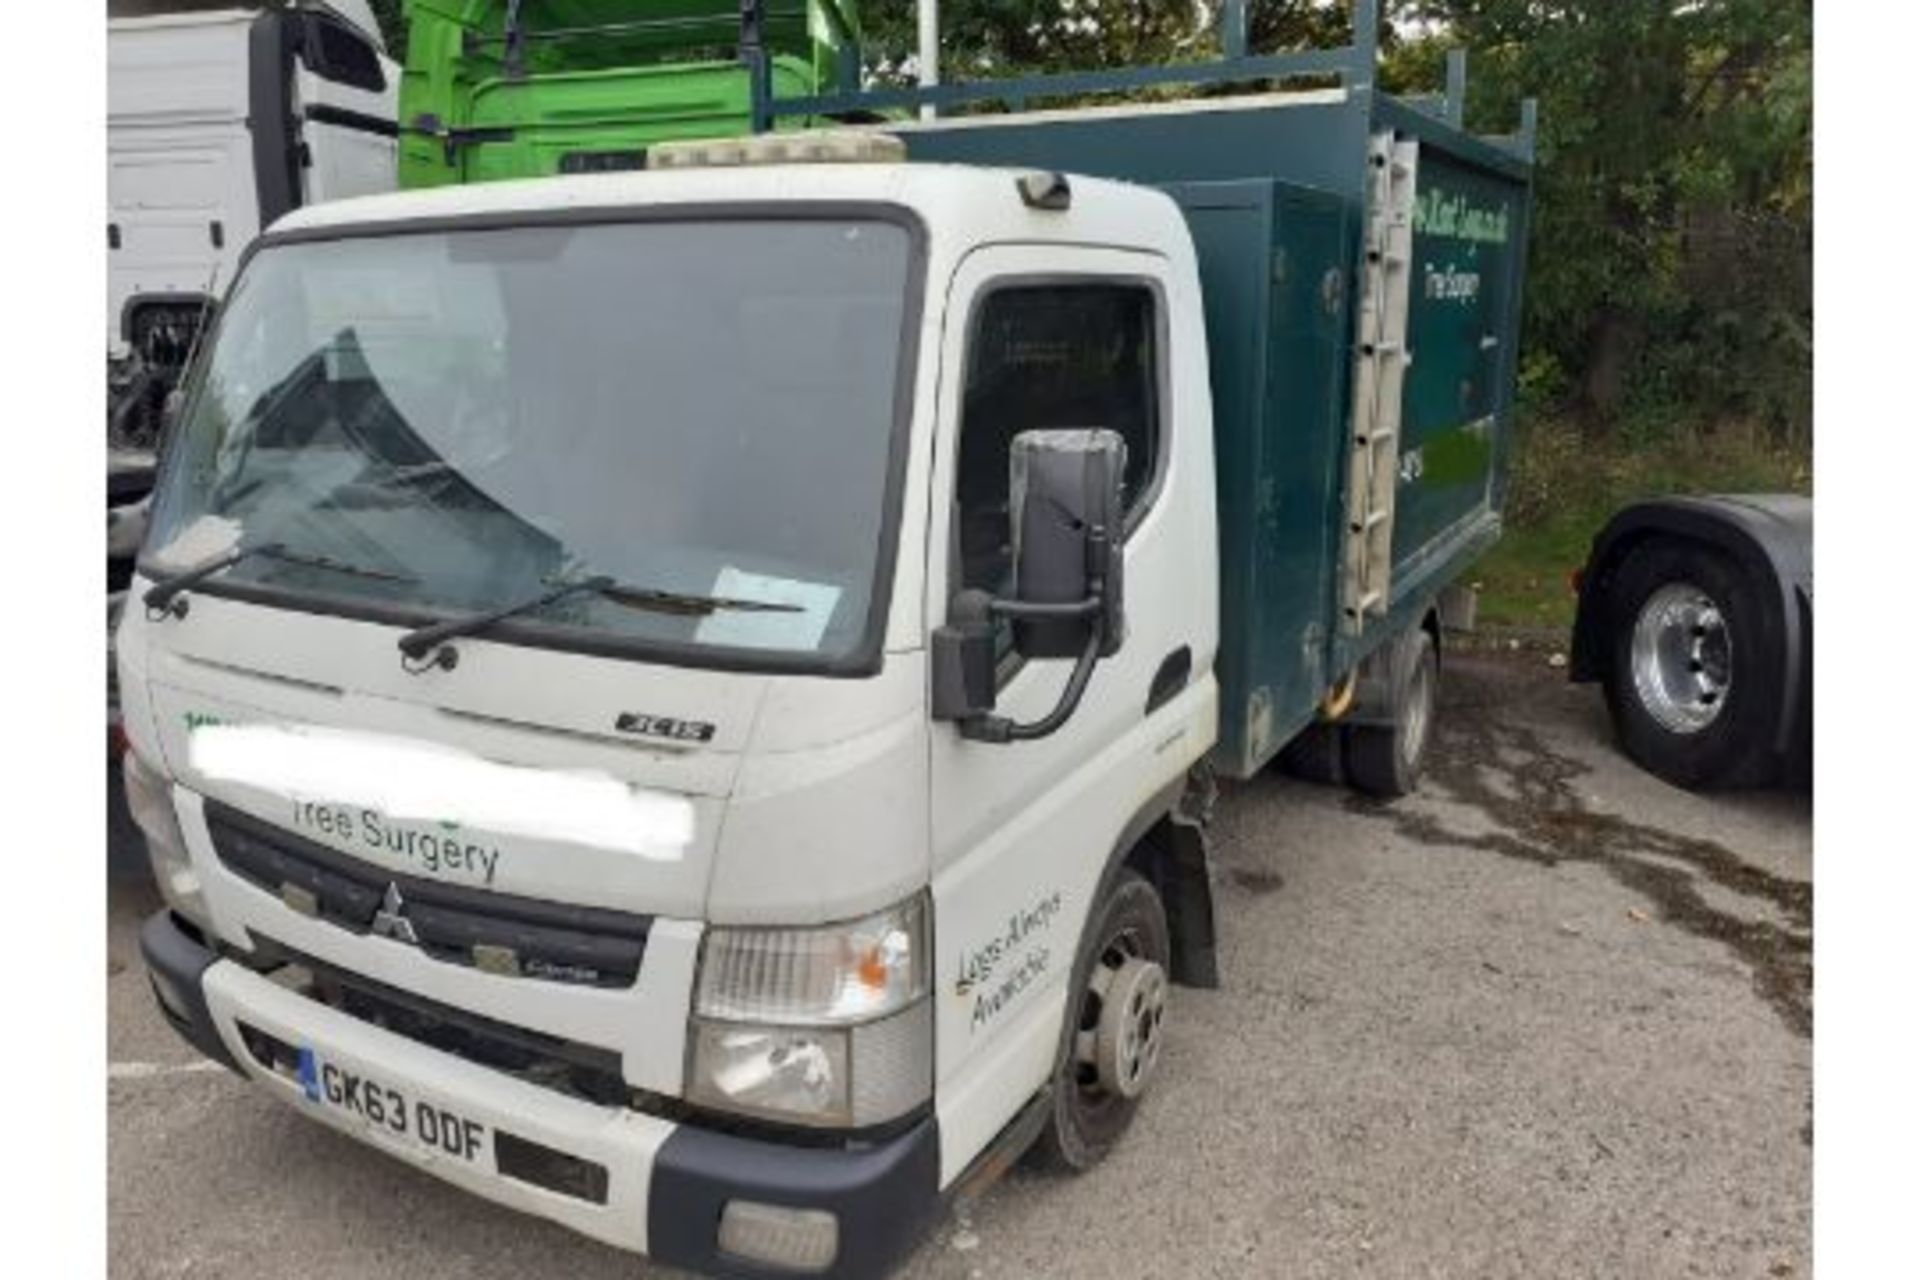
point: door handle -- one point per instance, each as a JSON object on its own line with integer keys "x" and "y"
{"x": 1175, "y": 670}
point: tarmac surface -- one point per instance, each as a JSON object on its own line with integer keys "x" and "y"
{"x": 1550, "y": 1017}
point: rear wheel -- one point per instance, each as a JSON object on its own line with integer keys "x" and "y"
{"x": 1315, "y": 753}
{"x": 1116, "y": 1027}
{"x": 1689, "y": 663}
{"x": 1386, "y": 760}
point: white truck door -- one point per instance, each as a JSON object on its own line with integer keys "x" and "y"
{"x": 1044, "y": 337}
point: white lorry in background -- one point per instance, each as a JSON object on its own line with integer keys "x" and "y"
{"x": 220, "y": 118}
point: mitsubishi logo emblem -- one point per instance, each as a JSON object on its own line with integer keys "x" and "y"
{"x": 390, "y": 921}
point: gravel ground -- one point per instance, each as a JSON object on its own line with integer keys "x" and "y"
{"x": 1552, "y": 1017}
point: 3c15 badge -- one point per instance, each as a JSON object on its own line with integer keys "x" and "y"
{"x": 666, "y": 728}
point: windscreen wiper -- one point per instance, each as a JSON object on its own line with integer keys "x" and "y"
{"x": 161, "y": 594}
{"x": 418, "y": 643}
{"x": 314, "y": 560}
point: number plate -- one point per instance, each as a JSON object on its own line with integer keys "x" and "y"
{"x": 391, "y": 1112}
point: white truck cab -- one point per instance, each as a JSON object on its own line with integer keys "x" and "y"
{"x": 631, "y": 698}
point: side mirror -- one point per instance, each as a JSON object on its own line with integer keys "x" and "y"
{"x": 334, "y": 51}
{"x": 1067, "y": 531}
{"x": 1067, "y": 514}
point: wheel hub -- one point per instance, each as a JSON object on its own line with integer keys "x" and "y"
{"x": 1682, "y": 658}
{"x": 1125, "y": 1043}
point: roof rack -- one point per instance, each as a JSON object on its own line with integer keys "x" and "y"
{"x": 1355, "y": 66}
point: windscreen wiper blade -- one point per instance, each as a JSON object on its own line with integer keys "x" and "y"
{"x": 162, "y": 593}
{"x": 314, "y": 560}
{"x": 659, "y": 601}
{"x": 418, "y": 643}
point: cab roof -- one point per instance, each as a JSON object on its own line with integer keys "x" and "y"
{"x": 957, "y": 204}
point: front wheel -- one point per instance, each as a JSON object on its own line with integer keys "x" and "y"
{"x": 1116, "y": 1027}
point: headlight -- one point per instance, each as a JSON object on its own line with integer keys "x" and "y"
{"x": 150, "y": 801}
{"x": 820, "y": 1026}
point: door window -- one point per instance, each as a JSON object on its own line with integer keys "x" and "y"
{"x": 334, "y": 51}
{"x": 1046, "y": 356}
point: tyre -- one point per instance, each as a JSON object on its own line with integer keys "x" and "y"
{"x": 1386, "y": 760}
{"x": 1314, "y": 755}
{"x": 1116, "y": 1027}
{"x": 1691, "y": 654}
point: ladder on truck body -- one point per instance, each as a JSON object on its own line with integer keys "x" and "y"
{"x": 1379, "y": 378}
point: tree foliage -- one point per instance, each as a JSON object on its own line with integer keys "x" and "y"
{"x": 1002, "y": 37}
{"x": 393, "y": 26}
{"x": 1673, "y": 236}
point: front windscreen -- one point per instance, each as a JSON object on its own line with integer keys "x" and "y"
{"x": 445, "y": 422}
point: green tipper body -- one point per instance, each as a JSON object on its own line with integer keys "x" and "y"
{"x": 590, "y": 84}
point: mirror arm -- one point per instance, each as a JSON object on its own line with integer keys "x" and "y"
{"x": 987, "y": 728}
{"x": 1001, "y": 729}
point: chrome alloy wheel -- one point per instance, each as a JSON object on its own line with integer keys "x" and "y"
{"x": 1682, "y": 658}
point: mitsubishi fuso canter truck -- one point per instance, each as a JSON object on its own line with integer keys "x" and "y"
{"x": 685, "y": 701}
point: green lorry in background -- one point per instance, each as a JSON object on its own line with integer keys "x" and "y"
{"x": 507, "y": 89}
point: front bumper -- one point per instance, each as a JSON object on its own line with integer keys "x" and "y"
{"x": 176, "y": 962}
{"x": 665, "y": 1184}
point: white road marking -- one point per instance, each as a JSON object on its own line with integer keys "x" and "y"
{"x": 151, "y": 1070}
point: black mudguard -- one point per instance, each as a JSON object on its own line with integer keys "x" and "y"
{"x": 1770, "y": 536}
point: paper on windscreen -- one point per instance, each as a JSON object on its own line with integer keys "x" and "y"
{"x": 748, "y": 629}
{"x": 206, "y": 537}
